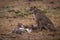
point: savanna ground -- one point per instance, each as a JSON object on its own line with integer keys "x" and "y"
{"x": 14, "y": 12}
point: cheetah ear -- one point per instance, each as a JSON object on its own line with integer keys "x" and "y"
{"x": 32, "y": 8}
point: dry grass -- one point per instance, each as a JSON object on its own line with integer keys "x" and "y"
{"x": 7, "y": 24}
{"x": 44, "y": 35}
